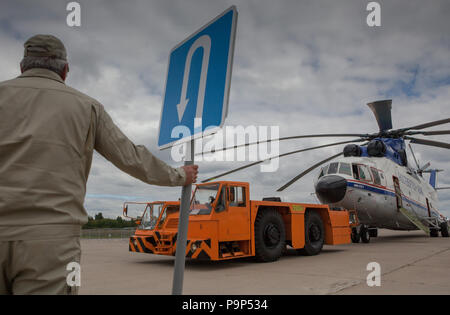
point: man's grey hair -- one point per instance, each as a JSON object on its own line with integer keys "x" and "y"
{"x": 55, "y": 65}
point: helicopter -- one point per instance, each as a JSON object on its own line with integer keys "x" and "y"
{"x": 374, "y": 178}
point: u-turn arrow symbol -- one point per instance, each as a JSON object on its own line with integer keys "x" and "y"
{"x": 203, "y": 41}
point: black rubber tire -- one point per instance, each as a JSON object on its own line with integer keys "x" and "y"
{"x": 314, "y": 234}
{"x": 365, "y": 236}
{"x": 373, "y": 232}
{"x": 434, "y": 232}
{"x": 270, "y": 235}
{"x": 444, "y": 229}
{"x": 355, "y": 236}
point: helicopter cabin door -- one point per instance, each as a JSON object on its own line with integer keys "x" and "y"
{"x": 398, "y": 192}
{"x": 428, "y": 207}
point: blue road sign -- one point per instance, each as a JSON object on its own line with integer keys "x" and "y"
{"x": 198, "y": 80}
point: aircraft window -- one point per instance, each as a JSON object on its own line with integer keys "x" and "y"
{"x": 383, "y": 180}
{"x": 325, "y": 169}
{"x": 345, "y": 169}
{"x": 321, "y": 173}
{"x": 355, "y": 171}
{"x": 333, "y": 168}
{"x": 376, "y": 177}
{"x": 364, "y": 173}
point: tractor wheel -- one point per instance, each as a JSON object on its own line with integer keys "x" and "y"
{"x": 270, "y": 235}
{"x": 365, "y": 236}
{"x": 434, "y": 232}
{"x": 444, "y": 229}
{"x": 355, "y": 236}
{"x": 314, "y": 234}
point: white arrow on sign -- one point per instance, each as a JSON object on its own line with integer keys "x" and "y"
{"x": 204, "y": 42}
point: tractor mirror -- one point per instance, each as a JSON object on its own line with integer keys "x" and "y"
{"x": 125, "y": 210}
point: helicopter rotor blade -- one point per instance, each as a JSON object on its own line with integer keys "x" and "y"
{"x": 296, "y": 178}
{"x": 413, "y": 155}
{"x": 279, "y": 156}
{"x": 326, "y": 135}
{"x": 434, "y": 133}
{"x": 429, "y": 142}
{"x": 429, "y": 124}
{"x": 382, "y": 112}
{"x": 429, "y": 171}
{"x": 429, "y": 133}
{"x": 424, "y": 168}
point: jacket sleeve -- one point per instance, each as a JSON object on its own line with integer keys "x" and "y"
{"x": 132, "y": 159}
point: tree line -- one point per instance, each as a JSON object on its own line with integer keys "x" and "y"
{"x": 99, "y": 222}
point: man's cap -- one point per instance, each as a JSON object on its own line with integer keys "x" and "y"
{"x": 45, "y": 46}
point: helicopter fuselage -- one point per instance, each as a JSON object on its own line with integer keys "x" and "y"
{"x": 376, "y": 187}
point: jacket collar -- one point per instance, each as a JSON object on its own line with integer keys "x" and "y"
{"x": 42, "y": 73}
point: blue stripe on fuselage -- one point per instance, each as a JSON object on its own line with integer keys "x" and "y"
{"x": 381, "y": 192}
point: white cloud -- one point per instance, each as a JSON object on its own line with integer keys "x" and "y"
{"x": 306, "y": 66}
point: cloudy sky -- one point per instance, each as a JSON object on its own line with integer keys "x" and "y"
{"x": 306, "y": 66}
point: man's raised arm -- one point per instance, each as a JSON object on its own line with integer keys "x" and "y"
{"x": 136, "y": 160}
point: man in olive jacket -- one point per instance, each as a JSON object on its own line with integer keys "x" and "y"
{"x": 48, "y": 132}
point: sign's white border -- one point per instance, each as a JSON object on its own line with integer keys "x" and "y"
{"x": 213, "y": 130}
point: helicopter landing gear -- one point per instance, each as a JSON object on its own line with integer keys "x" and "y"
{"x": 444, "y": 229}
{"x": 363, "y": 233}
{"x": 365, "y": 236}
{"x": 434, "y": 232}
{"x": 373, "y": 232}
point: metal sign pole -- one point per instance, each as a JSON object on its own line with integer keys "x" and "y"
{"x": 180, "y": 255}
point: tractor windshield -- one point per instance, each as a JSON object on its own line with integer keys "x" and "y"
{"x": 204, "y": 197}
{"x": 151, "y": 215}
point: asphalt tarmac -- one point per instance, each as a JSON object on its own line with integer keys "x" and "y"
{"x": 410, "y": 263}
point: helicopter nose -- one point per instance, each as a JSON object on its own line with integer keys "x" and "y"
{"x": 331, "y": 189}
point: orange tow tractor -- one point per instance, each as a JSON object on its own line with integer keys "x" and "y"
{"x": 225, "y": 224}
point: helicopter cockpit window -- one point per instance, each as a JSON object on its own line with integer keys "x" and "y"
{"x": 323, "y": 171}
{"x": 333, "y": 169}
{"x": 376, "y": 176}
{"x": 364, "y": 173}
{"x": 344, "y": 168}
{"x": 382, "y": 179}
{"x": 355, "y": 171}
